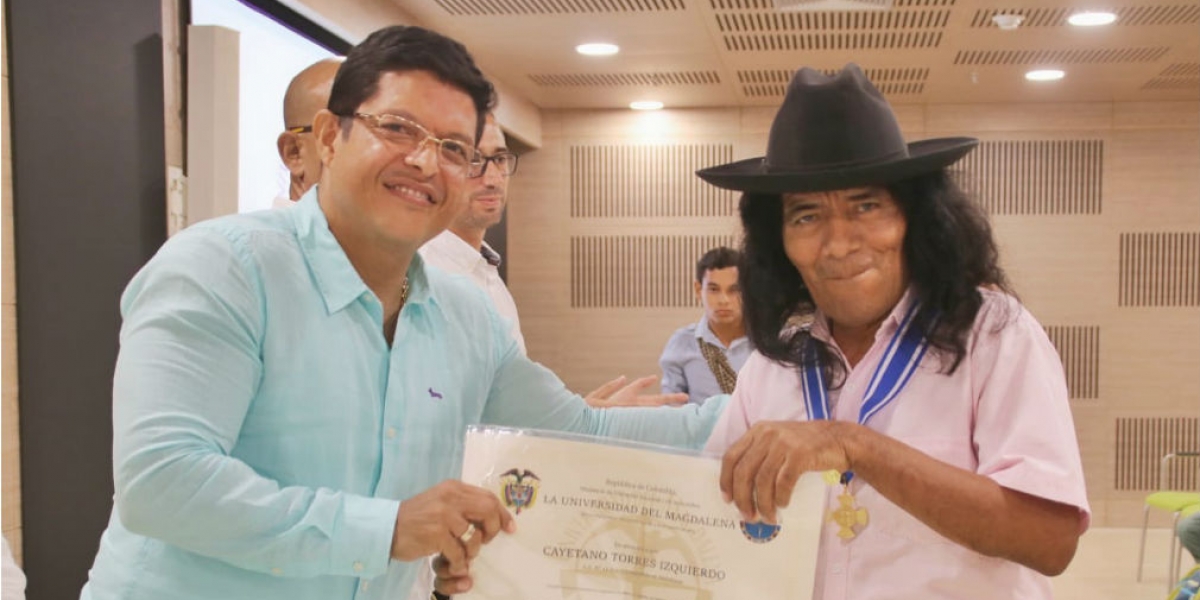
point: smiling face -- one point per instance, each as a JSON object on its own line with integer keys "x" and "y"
{"x": 376, "y": 193}
{"x": 848, "y": 246}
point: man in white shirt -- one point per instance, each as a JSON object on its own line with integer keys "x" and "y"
{"x": 462, "y": 249}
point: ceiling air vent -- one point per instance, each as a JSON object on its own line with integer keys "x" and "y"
{"x": 617, "y": 79}
{"x": 828, "y": 5}
{"x": 772, "y": 83}
{"x": 1031, "y": 17}
{"x": 1181, "y": 14}
{"x": 467, "y": 8}
{"x": 1167, "y": 83}
{"x": 748, "y": 22}
{"x": 1075, "y": 57}
{"x": 880, "y": 40}
{"x": 767, "y": 4}
{"x": 1179, "y": 76}
{"x": 1182, "y": 70}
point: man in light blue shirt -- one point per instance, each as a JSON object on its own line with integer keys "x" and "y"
{"x": 293, "y": 385}
{"x": 702, "y": 359}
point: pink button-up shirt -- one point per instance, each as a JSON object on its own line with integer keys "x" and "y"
{"x": 1003, "y": 414}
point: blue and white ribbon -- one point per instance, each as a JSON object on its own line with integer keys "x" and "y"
{"x": 904, "y": 352}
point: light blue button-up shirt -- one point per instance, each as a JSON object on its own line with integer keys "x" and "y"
{"x": 684, "y": 368}
{"x": 265, "y": 433}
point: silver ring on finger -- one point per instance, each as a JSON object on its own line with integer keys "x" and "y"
{"x": 465, "y": 538}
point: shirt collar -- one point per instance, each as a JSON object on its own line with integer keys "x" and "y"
{"x": 418, "y": 282}
{"x": 335, "y": 276}
{"x": 459, "y": 252}
{"x": 490, "y": 255}
{"x": 704, "y": 332}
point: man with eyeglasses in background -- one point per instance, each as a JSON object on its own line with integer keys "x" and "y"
{"x": 293, "y": 386}
{"x": 462, "y": 249}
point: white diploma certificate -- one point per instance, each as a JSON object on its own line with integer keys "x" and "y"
{"x": 601, "y": 519}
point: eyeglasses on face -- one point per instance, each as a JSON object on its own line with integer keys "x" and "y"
{"x": 505, "y": 161}
{"x": 408, "y": 136}
{"x": 299, "y": 129}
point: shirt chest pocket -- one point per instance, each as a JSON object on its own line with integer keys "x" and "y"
{"x": 429, "y": 402}
{"x": 431, "y": 407}
{"x": 436, "y": 388}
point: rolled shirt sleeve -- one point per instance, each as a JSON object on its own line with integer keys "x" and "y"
{"x": 1024, "y": 435}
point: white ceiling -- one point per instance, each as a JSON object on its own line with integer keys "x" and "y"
{"x": 692, "y": 53}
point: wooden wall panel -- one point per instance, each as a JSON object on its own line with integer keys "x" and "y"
{"x": 647, "y": 181}
{"x": 1160, "y": 269}
{"x": 1036, "y": 177}
{"x": 637, "y": 271}
{"x": 1142, "y": 443}
{"x": 1079, "y": 348}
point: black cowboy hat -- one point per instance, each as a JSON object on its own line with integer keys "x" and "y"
{"x": 835, "y": 133}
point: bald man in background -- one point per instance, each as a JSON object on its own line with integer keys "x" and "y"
{"x": 307, "y": 94}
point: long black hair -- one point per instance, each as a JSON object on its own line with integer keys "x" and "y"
{"x": 948, "y": 249}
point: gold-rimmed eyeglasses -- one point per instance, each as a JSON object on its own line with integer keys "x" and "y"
{"x": 299, "y": 129}
{"x": 409, "y": 136}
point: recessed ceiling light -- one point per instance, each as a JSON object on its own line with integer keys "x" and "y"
{"x": 1091, "y": 18}
{"x": 1044, "y": 75}
{"x": 597, "y": 49}
{"x": 646, "y": 105}
{"x": 1008, "y": 21}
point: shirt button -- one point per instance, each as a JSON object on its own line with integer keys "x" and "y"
{"x": 837, "y": 569}
{"x": 358, "y": 567}
{"x": 276, "y": 571}
{"x": 365, "y": 585}
{"x": 391, "y": 432}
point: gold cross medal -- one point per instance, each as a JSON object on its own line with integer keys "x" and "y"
{"x": 848, "y": 514}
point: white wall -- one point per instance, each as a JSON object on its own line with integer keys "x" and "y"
{"x": 270, "y": 55}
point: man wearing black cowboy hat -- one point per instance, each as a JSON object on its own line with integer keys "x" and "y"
{"x": 892, "y": 355}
